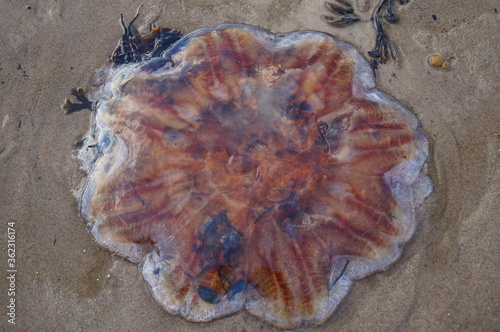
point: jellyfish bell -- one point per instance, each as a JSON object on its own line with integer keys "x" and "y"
{"x": 247, "y": 170}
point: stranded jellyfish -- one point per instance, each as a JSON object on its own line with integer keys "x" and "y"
{"x": 247, "y": 170}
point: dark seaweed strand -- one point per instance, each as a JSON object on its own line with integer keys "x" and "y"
{"x": 132, "y": 47}
{"x": 345, "y": 10}
{"x": 384, "y": 47}
{"x": 127, "y": 49}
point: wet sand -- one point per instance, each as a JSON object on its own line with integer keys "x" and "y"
{"x": 446, "y": 279}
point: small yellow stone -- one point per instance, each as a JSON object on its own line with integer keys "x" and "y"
{"x": 445, "y": 64}
{"x": 436, "y": 60}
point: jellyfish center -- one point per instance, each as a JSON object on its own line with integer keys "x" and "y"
{"x": 264, "y": 157}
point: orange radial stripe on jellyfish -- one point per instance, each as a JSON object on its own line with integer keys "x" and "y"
{"x": 247, "y": 170}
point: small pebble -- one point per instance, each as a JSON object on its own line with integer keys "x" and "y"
{"x": 445, "y": 64}
{"x": 436, "y": 60}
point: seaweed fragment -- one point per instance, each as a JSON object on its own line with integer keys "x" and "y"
{"x": 134, "y": 47}
{"x": 346, "y": 12}
{"x": 85, "y": 103}
{"x": 384, "y": 47}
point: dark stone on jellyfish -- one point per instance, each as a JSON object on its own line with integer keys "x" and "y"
{"x": 238, "y": 288}
{"x": 208, "y": 295}
{"x": 246, "y": 170}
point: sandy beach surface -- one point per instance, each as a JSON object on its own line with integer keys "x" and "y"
{"x": 447, "y": 277}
